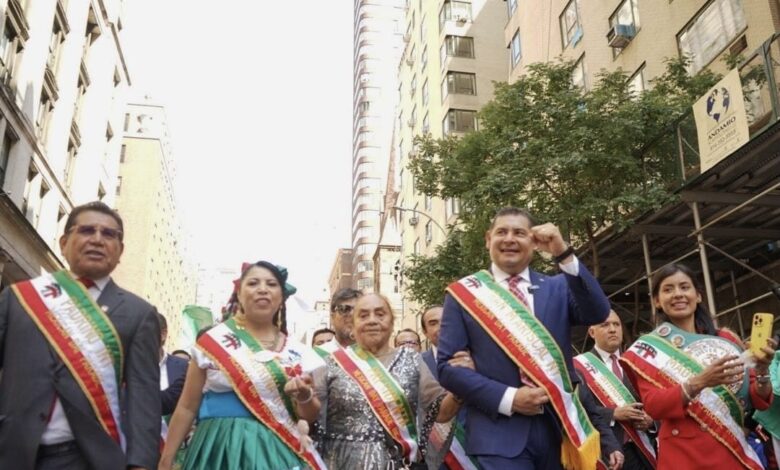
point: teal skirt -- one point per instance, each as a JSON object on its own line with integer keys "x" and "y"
{"x": 237, "y": 443}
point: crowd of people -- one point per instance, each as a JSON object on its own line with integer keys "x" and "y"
{"x": 86, "y": 383}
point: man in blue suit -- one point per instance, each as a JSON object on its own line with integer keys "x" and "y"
{"x": 509, "y": 424}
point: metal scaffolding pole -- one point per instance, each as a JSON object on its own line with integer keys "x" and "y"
{"x": 649, "y": 274}
{"x": 705, "y": 265}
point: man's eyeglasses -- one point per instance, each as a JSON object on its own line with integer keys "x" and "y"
{"x": 90, "y": 231}
{"x": 411, "y": 342}
{"x": 343, "y": 309}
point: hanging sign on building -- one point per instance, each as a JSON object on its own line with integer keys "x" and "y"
{"x": 721, "y": 121}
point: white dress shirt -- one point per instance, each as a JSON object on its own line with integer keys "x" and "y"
{"x": 572, "y": 268}
{"x": 164, "y": 371}
{"x": 58, "y": 430}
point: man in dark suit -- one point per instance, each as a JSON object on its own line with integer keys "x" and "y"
{"x": 608, "y": 338}
{"x": 508, "y": 425}
{"x": 47, "y": 420}
{"x": 173, "y": 371}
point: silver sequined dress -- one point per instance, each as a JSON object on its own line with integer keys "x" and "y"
{"x": 353, "y": 438}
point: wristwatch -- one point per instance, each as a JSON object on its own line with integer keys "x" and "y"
{"x": 566, "y": 253}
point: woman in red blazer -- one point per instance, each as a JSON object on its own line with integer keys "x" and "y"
{"x": 684, "y": 443}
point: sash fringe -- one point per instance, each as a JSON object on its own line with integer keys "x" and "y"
{"x": 585, "y": 457}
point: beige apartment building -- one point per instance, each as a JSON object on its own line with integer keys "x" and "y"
{"x": 635, "y": 35}
{"x": 454, "y": 51}
{"x": 157, "y": 263}
{"x": 341, "y": 271}
{"x": 63, "y": 81}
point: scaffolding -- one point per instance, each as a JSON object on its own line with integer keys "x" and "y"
{"x": 725, "y": 222}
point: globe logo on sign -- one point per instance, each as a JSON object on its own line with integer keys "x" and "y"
{"x": 718, "y": 103}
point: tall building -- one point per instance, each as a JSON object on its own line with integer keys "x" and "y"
{"x": 63, "y": 81}
{"x": 454, "y": 51}
{"x": 215, "y": 285}
{"x": 635, "y": 35}
{"x": 377, "y": 48}
{"x": 341, "y": 272}
{"x": 156, "y": 263}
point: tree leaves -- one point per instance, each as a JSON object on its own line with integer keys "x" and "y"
{"x": 580, "y": 159}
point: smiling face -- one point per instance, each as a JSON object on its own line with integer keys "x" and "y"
{"x": 608, "y": 336}
{"x": 89, "y": 251}
{"x": 260, "y": 294}
{"x": 510, "y": 243}
{"x": 677, "y": 297}
{"x": 373, "y": 322}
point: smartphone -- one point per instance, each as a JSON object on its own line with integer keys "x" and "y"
{"x": 760, "y": 332}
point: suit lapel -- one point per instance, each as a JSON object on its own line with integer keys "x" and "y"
{"x": 541, "y": 292}
{"x": 625, "y": 380}
{"x": 110, "y": 298}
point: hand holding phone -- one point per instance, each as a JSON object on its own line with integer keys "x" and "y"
{"x": 760, "y": 333}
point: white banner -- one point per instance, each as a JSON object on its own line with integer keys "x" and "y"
{"x": 721, "y": 121}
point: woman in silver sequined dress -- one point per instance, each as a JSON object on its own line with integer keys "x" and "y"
{"x": 353, "y": 437}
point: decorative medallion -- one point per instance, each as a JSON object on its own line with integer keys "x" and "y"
{"x": 677, "y": 340}
{"x": 664, "y": 330}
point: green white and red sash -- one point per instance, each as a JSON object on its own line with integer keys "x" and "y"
{"x": 456, "y": 457}
{"x": 612, "y": 393}
{"x": 259, "y": 383}
{"x": 663, "y": 365}
{"x": 533, "y": 349}
{"x": 327, "y": 349}
{"x": 84, "y": 338}
{"x": 384, "y": 395}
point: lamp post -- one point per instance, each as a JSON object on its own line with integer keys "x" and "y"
{"x": 415, "y": 211}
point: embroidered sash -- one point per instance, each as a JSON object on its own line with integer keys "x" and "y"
{"x": 327, "y": 349}
{"x": 531, "y": 347}
{"x": 258, "y": 380}
{"x": 84, "y": 338}
{"x": 612, "y": 393}
{"x": 384, "y": 395}
{"x": 662, "y": 364}
{"x": 456, "y": 457}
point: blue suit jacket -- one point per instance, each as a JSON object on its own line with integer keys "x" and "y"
{"x": 559, "y": 302}
{"x": 177, "y": 371}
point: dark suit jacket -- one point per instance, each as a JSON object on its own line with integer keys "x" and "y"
{"x": 177, "y": 371}
{"x": 599, "y": 420}
{"x": 32, "y": 373}
{"x": 559, "y": 302}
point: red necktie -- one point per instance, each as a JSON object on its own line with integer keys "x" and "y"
{"x": 616, "y": 367}
{"x": 514, "y": 288}
{"x": 86, "y": 282}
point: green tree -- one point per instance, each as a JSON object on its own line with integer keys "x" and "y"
{"x": 582, "y": 159}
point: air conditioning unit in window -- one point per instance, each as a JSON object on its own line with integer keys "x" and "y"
{"x": 411, "y": 122}
{"x": 461, "y": 20}
{"x": 410, "y": 61}
{"x": 413, "y": 221}
{"x": 620, "y": 35}
{"x": 407, "y": 37}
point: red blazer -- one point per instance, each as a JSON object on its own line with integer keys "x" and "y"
{"x": 682, "y": 443}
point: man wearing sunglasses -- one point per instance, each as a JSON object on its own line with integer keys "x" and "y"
{"x": 79, "y": 358}
{"x": 341, "y": 306}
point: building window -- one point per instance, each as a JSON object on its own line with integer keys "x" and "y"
{"x": 364, "y": 284}
{"x": 711, "y": 31}
{"x": 511, "y": 6}
{"x": 624, "y": 24}
{"x": 55, "y": 42}
{"x": 451, "y": 207}
{"x": 118, "y": 185}
{"x": 45, "y": 108}
{"x": 428, "y": 233}
{"x": 571, "y": 30}
{"x": 416, "y": 249}
{"x": 424, "y": 58}
{"x": 452, "y": 10}
{"x": 459, "y": 83}
{"x": 27, "y": 207}
{"x": 637, "y": 83}
{"x": 426, "y": 124}
{"x": 5, "y": 154}
{"x": 11, "y": 42}
{"x": 457, "y": 46}
{"x": 101, "y": 194}
{"x": 578, "y": 77}
{"x": 425, "y": 93}
{"x": 515, "y": 48}
{"x": 459, "y": 120}
{"x": 423, "y": 30}
{"x": 365, "y": 265}
{"x": 70, "y": 164}
{"x": 413, "y": 86}
{"x": 428, "y": 203}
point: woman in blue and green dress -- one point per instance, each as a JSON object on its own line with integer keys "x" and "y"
{"x": 231, "y": 432}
